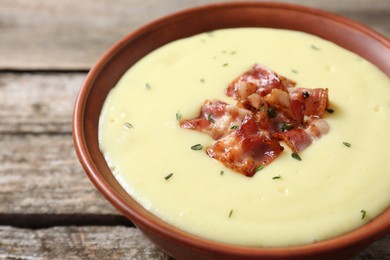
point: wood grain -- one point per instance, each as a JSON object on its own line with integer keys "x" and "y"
{"x": 96, "y": 242}
{"x": 41, "y": 174}
{"x": 38, "y": 103}
{"x": 376, "y": 251}
{"x": 77, "y": 243}
{"x": 73, "y": 34}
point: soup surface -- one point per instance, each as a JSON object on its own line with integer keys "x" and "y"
{"x": 342, "y": 181}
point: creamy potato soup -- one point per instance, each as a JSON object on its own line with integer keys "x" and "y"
{"x": 341, "y": 182}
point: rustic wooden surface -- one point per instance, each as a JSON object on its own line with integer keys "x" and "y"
{"x": 49, "y": 209}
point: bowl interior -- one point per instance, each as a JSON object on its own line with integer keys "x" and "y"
{"x": 106, "y": 73}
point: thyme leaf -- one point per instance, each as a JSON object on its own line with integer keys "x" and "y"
{"x": 364, "y": 213}
{"x": 230, "y": 213}
{"x": 315, "y": 47}
{"x": 260, "y": 168}
{"x": 277, "y": 177}
{"x": 347, "y": 144}
{"x": 296, "y": 156}
{"x": 210, "y": 118}
{"x": 271, "y": 112}
{"x": 128, "y": 125}
{"x": 285, "y": 126}
{"x": 178, "y": 116}
{"x": 210, "y": 33}
{"x": 329, "y": 110}
{"x": 168, "y": 176}
{"x": 197, "y": 147}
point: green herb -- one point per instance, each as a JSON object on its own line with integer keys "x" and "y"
{"x": 329, "y": 110}
{"x": 296, "y": 156}
{"x": 260, "y": 168}
{"x": 168, "y": 176}
{"x": 222, "y": 172}
{"x": 230, "y": 213}
{"x": 271, "y": 112}
{"x": 225, "y": 64}
{"x": 347, "y": 144}
{"x": 210, "y": 33}
{"x": 233, "y": 52}
{"x": 197, "y": 147}
{"x": 277, "y": 177}
{"x": 285, "y": 126}
{"x": 315, "y": 47}
{"x": 210, "y": 118}
{"x": 178, "y": 116}
{"x": 364, "y": 213}
{"x": 147, "y": 86}
{"x": 202, "y": 81}
{"x": 234, "y": 127}
{"x": 128, "y": 125}
{"x": 294, "y": 71}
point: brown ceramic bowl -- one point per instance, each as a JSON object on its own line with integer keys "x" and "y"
{"x": 109, "y": 69}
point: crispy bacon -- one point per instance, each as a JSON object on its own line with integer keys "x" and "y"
{"x": 290, "y": 112}
{"x": 315, "y": 100}
{"x": 217, "y": 118}
{"x": 300, "y": 138}
{"x": 246, "y": 149}
{"x": 269, "y": 110}
{"x": 260, "y": 80}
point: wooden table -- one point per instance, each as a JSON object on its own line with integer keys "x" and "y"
{"x": 49, "y": 209}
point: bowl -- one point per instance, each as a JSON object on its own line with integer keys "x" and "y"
{"x": 117, "y": 60}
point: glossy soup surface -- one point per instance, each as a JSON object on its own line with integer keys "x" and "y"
{"x": 314, "y": 199}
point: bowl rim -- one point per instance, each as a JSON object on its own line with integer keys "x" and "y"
{"x": 366, "y": 233}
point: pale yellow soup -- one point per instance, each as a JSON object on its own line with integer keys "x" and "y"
{"x": 322, "y": 196}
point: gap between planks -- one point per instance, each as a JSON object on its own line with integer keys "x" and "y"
{"x": 43, "y": 220}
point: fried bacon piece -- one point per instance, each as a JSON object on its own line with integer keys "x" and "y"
{"x": 300, "y": 138}
{"x": 217, "y": 118}
{"x": 269, "y": 110}
{"x": 260, "y": 80}
{"x": 315, "y": 100}
{"x": 246, "y": 149}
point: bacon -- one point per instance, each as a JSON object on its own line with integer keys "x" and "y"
{"x": 292, "y": 111}
{"x": 300, "y": 138}
{"x": 316, "y": 128}
{"x": 315, "y": 101}
{"x": 260, "y": 80}
{"x": 269, "y": 110}
{"x": 216, "y": 118}
{"x": 246, "y": 149}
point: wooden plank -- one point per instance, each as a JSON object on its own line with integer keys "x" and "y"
{"x": 378, "y": 250}
{"x": 73, "y": 34}
{"x": 99, "y": 242}
{"x": 35, "y": 122}
{"x": 39, "y": 174}
{"x": 77, "y": 243}
{"x": 38, "y": 103}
